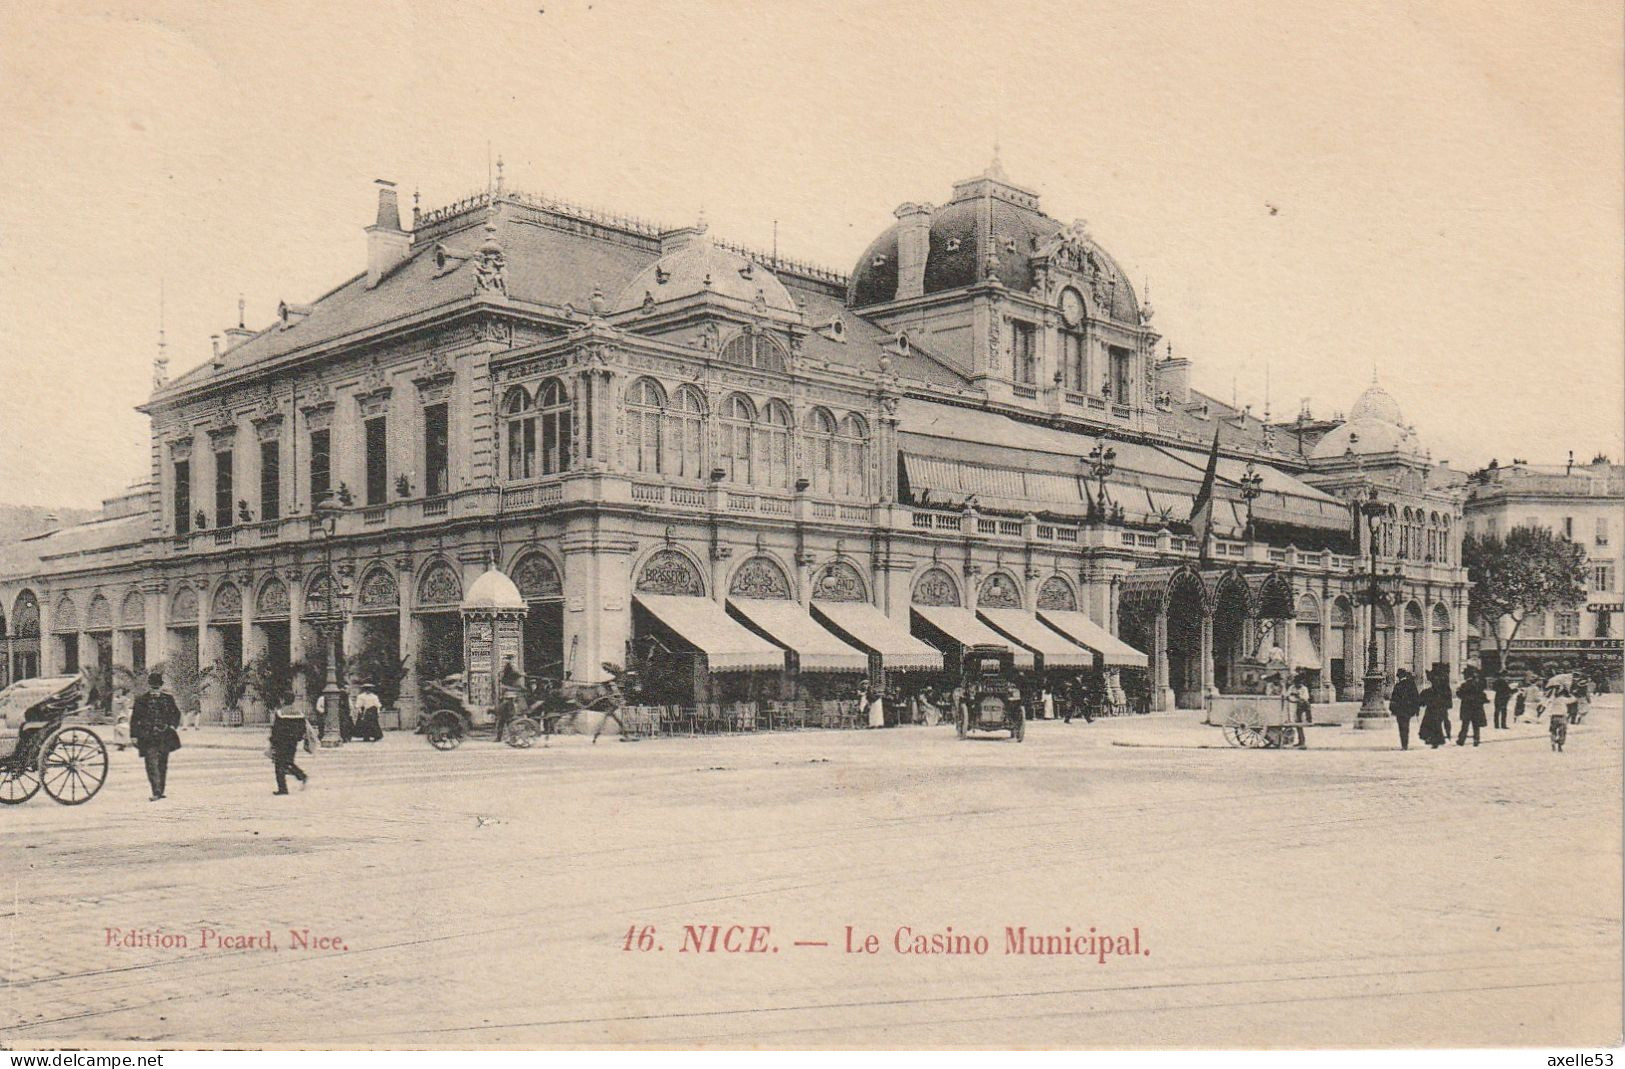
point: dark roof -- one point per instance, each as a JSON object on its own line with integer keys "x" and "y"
{"x": 547, "y": 264}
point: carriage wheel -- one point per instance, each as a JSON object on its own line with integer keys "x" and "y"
{"x": 73, "y": 765}
{"x": 17, "y": 784}
{"x": 523, "y": 733}
{"x": 444, "y": 733}
{"x": 1247, "y": 737}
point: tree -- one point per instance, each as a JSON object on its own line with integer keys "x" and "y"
{"x": 1529, "y": 572}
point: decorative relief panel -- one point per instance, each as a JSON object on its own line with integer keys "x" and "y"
{"x": 669, "y": 572}
{"x": 378, "y": 591}
{"x": 272, "y": 601}
{"x": 760, "y": 577}
{"x": 999, "y": 591}
{"x": 936, "y": 587}
{"x": 839, "y": 581}
{"x": 440, "y": 586}
{"x": 99, "y": 616}
{"x": 183, "y": 609}
{"x": 1056, "y": 595}
{"x": 67, "y": 615}
{"x": 133, "y": 612}
{"x": 227, "y": 604}
{"x": 536, "y": 578}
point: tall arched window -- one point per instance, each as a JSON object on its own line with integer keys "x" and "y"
{"x": 737, "y": 416}
{"x": 555, "y": 415}
{"x": 521, "y": 419}
{"x": 773, "y": 467}
{"x": 685, "y": 435}
{"x": 645, "y": 404}
{"x": 852, "y": 456}
{"x": 754, "y": 349}
{"x": 821, "y": 451}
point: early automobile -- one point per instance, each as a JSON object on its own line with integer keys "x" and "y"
{"x": 47, "y": 740}
{"x": 991, "y": 698}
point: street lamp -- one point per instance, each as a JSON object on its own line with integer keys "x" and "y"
{"x": 1102, "y": 461}
{"x": 330, "y": 626}
{"x": 1371, "y": 706}
{"x": 1251, "y": 486}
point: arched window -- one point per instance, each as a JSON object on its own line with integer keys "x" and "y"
{"x": 555, "y": 408}
{"x": 685, "y": 435}
{"x": 521, "y": 419}
{"x": 737, "y": 416}
{"x": 821, "y": 451}
{"x": 772, "y": 447}
{"x": 645, "y": 404}
{"x": 754, "y": 349}
{"x": 852, "y": 456}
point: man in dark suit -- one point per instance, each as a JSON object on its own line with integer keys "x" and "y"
{"x": 1471, "y": 696}
{"x": 1403, "y": 702}
{"x": 1503, "y": 698}
{"x": 153, "y": 728}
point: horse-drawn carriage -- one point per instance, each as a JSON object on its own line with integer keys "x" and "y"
{"x": 46, "y": 740}
{"x": 546, "y": 708}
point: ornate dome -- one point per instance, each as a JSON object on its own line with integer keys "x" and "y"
{"x": 1018, "y": 234}
{"x": 1375, "y": 425}
{"x": 702, "y": 267}
{"x": 494, "y": 591}
{"x": 1376, "y": 403}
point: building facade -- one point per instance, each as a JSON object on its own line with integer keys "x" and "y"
{"x": 631, "y": 421}
{"x": 1584, "y": 503}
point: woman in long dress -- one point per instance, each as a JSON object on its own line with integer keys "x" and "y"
{"x": 1435, "y": 729}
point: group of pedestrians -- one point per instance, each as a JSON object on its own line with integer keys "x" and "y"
{"x": 155, "y": 723}
{"x": 1435, "y": 702}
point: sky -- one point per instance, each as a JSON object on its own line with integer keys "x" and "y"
{"x": 1314, "y": 191}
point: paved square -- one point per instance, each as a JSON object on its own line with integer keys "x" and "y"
{"x": 1347, "y": 895}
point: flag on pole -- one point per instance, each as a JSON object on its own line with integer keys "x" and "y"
{"x": 1202, "y": 511}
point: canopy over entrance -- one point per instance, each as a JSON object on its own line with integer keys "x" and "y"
{"x": 1023, "y": 627}
{"x": 962, "y": 626}
{"x": 1113, "y": 651}
{"x": 727, "y": 644}
{"x": 862, "y": 623}
{"x": 787, "y": 623}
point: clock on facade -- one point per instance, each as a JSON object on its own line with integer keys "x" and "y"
{"x": 1071, "y": 307}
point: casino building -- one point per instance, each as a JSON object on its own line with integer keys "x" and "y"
{"x": 754, "y": 473}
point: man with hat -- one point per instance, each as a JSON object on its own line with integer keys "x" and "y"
{"x": 367, "y": 708}
{"x": 153, "y": 724}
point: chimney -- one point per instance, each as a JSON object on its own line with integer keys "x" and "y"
{"x": 215, "y": 361}
{"x": 235, "y": 336}
{"x": 913, "y": 245}
{"x": 672, "y": 240}
{"x": 1174, "y": 375}
{"x": 387, "y": 244}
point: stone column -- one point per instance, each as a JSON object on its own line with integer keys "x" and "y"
{"x": 208, "y": 652}
{"x": 1324, "y": 693}
{"x": 295, "y": 579}
{"x": 49, "y": 662}
{"x": 408, "y": 704}
{"x": 1207, "y": 657}
{"x": 156, "y": 608}
{"x": 1162, "y": 696}
{"x": 597, "y": 600}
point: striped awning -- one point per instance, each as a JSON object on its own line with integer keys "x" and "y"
{"x": 876, "y": 632}
{"x": 962, "y": 626}
{"x": 1114, "y": 652}
{"x": 1023, "y": 627}
{"x": 728, "y": 645}
{"x": 787, "y": 623}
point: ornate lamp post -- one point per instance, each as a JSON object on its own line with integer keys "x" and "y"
{"x": 1102, "y": 461}
{"x": 1372, "y": 710}
{"x": 1251, "y": 486}
{"x": 330, "y": 623}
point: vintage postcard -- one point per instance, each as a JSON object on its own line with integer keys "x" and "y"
{"x": 893, "y": 525}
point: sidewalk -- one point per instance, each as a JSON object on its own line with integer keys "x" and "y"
{"x": 1186, "y": 730}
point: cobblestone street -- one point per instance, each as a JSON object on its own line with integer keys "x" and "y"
{"x": 1347, "y": 895}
